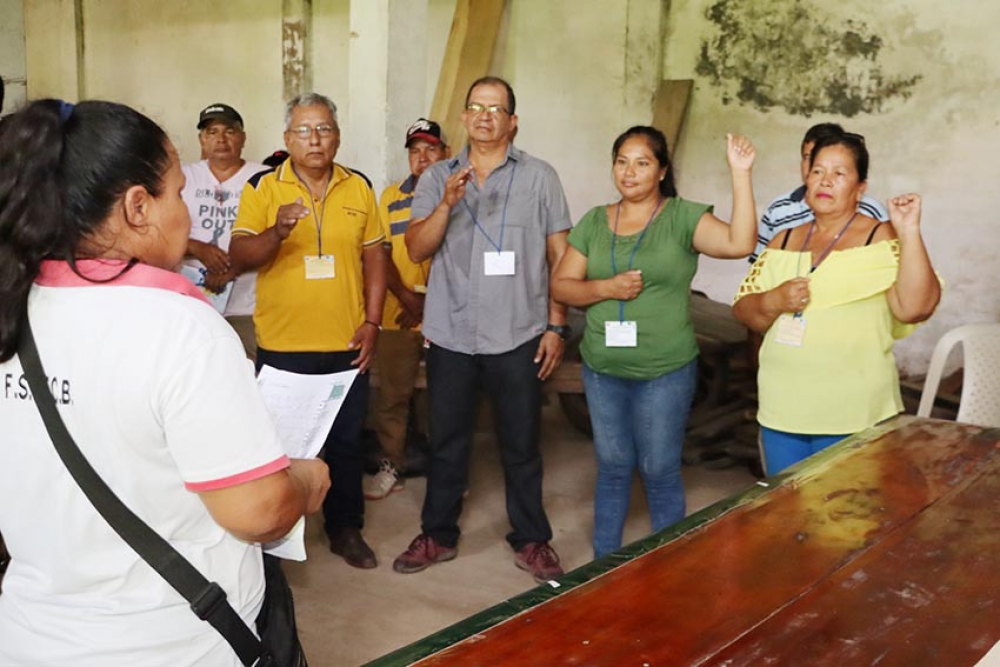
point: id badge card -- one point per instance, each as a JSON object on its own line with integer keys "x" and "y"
{"x": 320, "y": 267}
{"x": 621, "y": 334}
{"x": 498, "y": 263}
{"x": 791, "y": 330}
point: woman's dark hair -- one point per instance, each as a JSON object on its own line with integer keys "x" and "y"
{"x": 658, "y": 144}
{"x": 62, "y": 169}
{"x": 855, "y": 143}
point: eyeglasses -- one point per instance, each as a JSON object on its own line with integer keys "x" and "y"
{"x": 493, "y": 109}
{"x": 304, "y": 131}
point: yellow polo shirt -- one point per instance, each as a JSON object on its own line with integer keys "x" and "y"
{"x": 293, "y": 313}
{"x": 394, "y": 206}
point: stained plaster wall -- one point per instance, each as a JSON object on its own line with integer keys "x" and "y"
{"x": 586, "y": 69}
{"x": 939, "y": 141}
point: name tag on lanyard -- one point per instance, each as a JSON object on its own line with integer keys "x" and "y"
{"x": 498, "y": 263}
{"x": 791, "y": 330}
{"x": 621, "y": 334}
{"x": 320, "y": 267}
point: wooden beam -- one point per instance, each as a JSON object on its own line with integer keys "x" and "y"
{"x": 467, "y": 57}
{"x": 670, "y": 107}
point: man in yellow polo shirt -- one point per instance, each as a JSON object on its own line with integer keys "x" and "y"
{"x": 311, "y": 229}
{"x": 400, "y": 342}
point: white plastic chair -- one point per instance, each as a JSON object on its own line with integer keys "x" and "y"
{"x": 980, "y": 401}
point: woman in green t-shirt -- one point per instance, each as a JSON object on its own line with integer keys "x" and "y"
{"x": 630, "y": 264}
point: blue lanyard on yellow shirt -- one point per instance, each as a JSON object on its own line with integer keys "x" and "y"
{"x": 826, "y": 250}
{"x": 635, "y": 248}
{"x": 503, "y": 215}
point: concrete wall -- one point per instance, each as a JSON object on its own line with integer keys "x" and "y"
{"x": 917, "y": 78}
{"x": 12, "y": 67}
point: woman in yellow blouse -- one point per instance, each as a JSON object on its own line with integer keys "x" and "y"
{"x": 831, "y": 297}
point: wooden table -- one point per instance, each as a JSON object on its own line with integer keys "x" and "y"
{"x": 884, "y": 549}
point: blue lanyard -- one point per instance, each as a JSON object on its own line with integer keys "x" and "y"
{"x": 503, "y": 215}
{"x": 635, "y": 248}
{"x": 826, "y": 251}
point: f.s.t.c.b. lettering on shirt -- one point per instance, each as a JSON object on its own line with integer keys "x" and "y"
{"x": 15, "y": 388}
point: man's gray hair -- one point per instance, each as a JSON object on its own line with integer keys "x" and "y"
{"x": 308, "y": 100}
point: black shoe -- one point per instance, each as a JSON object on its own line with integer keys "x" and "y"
{"x": 347, "y": 542}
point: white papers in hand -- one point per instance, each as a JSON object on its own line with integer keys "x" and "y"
{"x": 303, "y": 407}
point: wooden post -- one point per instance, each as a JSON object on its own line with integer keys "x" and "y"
{"x": 467, "y": 57}
{"x": 670, "y": 107}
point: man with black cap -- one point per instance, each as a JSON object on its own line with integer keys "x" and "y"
{"x": 212, "y": 194}
{"x": 400, "y": 342}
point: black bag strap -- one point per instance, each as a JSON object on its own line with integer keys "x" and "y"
{"x": 207, "y": 599}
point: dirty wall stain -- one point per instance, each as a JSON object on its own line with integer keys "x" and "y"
{"x": 796, "y": 56}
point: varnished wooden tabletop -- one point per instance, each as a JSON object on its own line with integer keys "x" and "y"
{"x": 884, "y": 550}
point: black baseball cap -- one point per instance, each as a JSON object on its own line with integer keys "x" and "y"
{"x": 222, "y": 112}
{"x": 424, "y": 129}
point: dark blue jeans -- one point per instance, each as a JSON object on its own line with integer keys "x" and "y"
{"x": 638, "y": 424}
{"x": 344, "y": 448}
{"x": 511, "y": 381}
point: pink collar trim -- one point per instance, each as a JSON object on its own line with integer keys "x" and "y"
{"x": 58, "y": 273}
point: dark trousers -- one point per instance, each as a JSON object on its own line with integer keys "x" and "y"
{"x": 511, "y": 381}
{"x": 344, "y": 448}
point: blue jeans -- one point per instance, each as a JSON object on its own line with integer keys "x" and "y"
{"x": 638, "y": 424}
{"x": 782, "y": 449}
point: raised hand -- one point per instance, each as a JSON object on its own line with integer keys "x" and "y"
{"x": 288, "y": 216}
{"x": 904, "y": 213}
{"x": 454, "y": 187}
{"x": 740, "y": 152}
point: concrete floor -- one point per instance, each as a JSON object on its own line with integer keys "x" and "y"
{"x": 347, "y": 616}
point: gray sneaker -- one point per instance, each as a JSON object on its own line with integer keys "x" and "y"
{"x": 384, "y": 482}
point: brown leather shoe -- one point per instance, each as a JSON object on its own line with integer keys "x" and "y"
{"x": 346, "y": 541}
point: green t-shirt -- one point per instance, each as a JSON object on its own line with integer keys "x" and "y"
{"x": 661, "y": 312}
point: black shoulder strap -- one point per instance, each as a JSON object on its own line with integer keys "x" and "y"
{"x": 875, "y": 228}
{"x": 784, "y": 240}
{"x": 208, "y": 600}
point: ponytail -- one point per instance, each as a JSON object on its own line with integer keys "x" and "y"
{"x": 62, "y": 169}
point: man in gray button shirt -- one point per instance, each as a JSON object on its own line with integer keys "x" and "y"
{"x": 495, "y": 222}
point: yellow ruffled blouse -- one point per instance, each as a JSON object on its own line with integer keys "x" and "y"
{"x": 843, "y": 378}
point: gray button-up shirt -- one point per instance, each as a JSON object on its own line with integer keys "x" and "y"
{"x": 467, "y": 311}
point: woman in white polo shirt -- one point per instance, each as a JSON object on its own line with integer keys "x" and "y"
{"x": 152, "y": 385}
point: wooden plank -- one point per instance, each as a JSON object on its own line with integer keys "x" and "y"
{"x": 795, "y": 547}
{"x": 670, "y": 107}
{"x": 467, "y": 57}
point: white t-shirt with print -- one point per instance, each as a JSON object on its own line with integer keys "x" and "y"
{"x": 213, "y": 207}
{"x": 156, "y": 390}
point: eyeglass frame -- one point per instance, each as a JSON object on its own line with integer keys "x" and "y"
{"x": 493, "y": 109}
{"x": 305, "y": 132}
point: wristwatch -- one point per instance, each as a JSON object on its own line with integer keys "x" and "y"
{"x": 563, "y": 330}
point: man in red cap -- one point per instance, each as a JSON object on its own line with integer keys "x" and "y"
{"x": 400, "y": 342}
